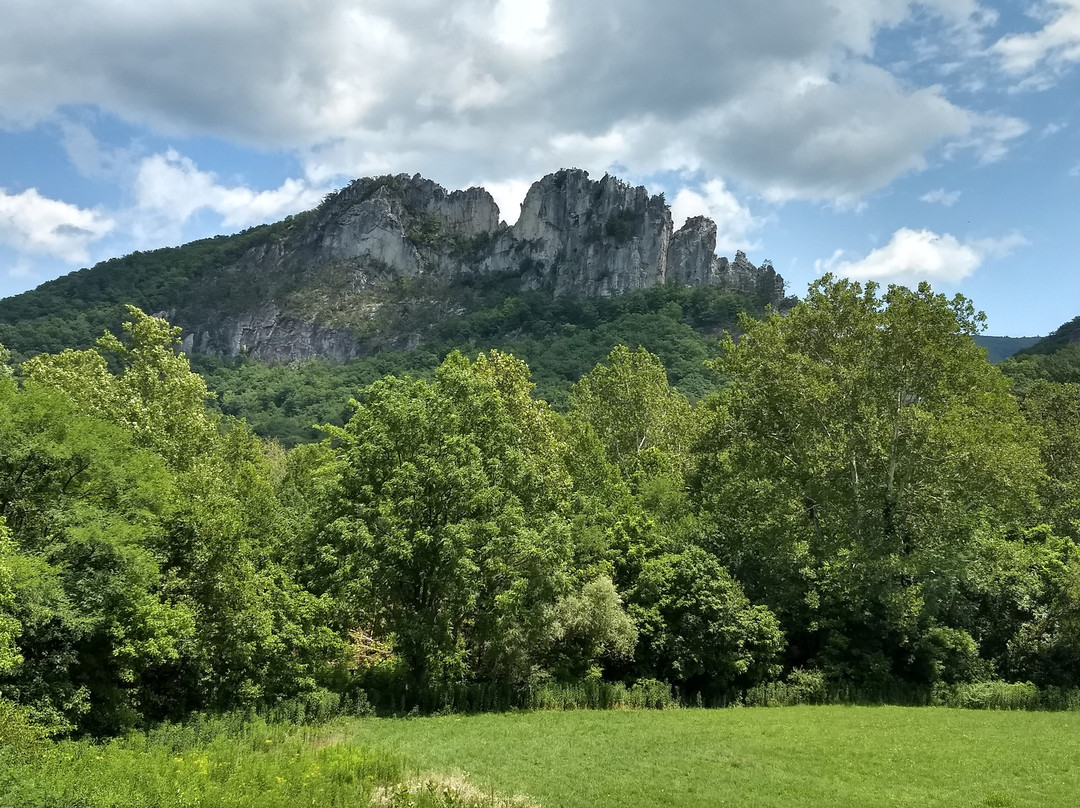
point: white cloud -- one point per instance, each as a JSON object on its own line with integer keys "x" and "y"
{"x": 989, "y": 137}
{"x": 734, "y": 222}
{"x": 1051, "y": 48}
{"x": 32, "y": 223}
{"x": 172, "y": 188}
{"x": 524, "y": 27}
{"x": 809, "y": 136}
{"x": 508, "y": 195}
{"x": 920, "y": 255}
{"x": 781, "y": 95}
{"x": 940, "y": 196}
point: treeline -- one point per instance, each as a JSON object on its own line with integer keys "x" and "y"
{"x": 560, "y": 337}
{"x": 864, "y": 505}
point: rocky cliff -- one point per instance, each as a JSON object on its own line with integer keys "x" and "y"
{"x": 365, "y": 269}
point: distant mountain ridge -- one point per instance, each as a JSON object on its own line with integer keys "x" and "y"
{"x": 998, "y": 349}
{"x": 382, "y": 261}
{"x": 1063, "y": 336}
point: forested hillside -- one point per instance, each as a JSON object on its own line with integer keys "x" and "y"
{"x": 560, "y": 339}
{"x": 74, "y": 310}
{"x": 865, "y": 504}
{"x": 1055, "y": 358}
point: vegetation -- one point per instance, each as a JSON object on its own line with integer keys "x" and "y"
{"x": 808, "y": 756}
{"x": 73, "y": 311}
{"x": 864, "y": 510}
{"x": 561, "y": 339}
{"x": 805, "y": 756}
{"x": 231, "y": 761}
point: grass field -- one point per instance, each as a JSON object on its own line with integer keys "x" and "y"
{"x": 790, "y": 756}
{"x": 794, "y": 756}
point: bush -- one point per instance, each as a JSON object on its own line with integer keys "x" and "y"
{"x": 801, "y": 687}
{"x": 317, "y": 707}
{"x": 20, "y": 737}
{"x": 1005, "y": 696}
{"x": 644, "y": 694}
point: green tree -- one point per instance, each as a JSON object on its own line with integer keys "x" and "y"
{"x": 261, "y": 636}
{"x": 196, "y": 604}
{"x": 1022, "y": 605}
{"x": 861, "y": 444}
{"x": 590, "y": 625}
{"x": 9, "y": 626}
{"x": 83, "y": 506}
{"x": 1054, "y": 410}
{"x": 153, "y": 392}
{"x": 643, "y": 424}
{"x": 451, "y": 534}
{"x": 698, "y": 629}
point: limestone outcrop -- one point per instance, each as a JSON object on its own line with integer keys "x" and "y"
{"x": 596, "y": 238}
{"x": 319, "y": 287}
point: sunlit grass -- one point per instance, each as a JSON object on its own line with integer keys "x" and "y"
{"x": 793, "y": 756}
{"x": 239, "y": 764}
{"x": 797, "y": 756}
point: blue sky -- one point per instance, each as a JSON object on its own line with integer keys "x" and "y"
{"x": 881, "y": 139}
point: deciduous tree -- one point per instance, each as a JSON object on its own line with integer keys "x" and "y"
{"x": 862, "y": 442}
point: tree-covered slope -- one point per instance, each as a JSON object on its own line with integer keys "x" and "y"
{"x": 1055, "y": 358}
{"x": 561, "y": 338}
{"x": 74, "y": 310}
{"x": 998, "y": 349}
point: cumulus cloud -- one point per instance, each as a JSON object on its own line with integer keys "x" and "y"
{"x": 807, "y": 136}
{"x": 734, "y": 222}
{"x": 1051, "y": 48}
{"x": 912, "y": 256}
{"x": 940, "y": 196}
{"x": 172, "y": 188}
{"x": 32, "y": 223}
{"x": 781, "y": 96}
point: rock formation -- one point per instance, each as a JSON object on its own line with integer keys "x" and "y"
{"x": 322, "y": 286}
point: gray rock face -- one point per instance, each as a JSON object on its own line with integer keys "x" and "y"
{"x": 692, "y": 254}
{"x": 593, "y": 238}
{"x": 310, "y": 290}
{"x": 371, "y": 229}
{"x": 272, "y": 336}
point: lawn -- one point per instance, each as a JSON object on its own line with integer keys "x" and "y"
{"x": 794, "y": 756}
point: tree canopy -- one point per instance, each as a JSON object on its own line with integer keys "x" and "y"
{"x": 862, "y": 501}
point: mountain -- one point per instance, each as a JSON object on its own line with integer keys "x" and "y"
{"x": 1067, "y": 334}
{"x": 385, "y": 264}
{"x": 998, "y": 349}
{"x": 1055, "y": 358}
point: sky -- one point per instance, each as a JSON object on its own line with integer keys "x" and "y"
{"x": 882, "y": 140}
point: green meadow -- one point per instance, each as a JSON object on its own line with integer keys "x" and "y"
{"x": 761, "y": 757}
{"x": 783, "y": 757}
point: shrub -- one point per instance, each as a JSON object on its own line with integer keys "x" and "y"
{"x": 20, "y": 737}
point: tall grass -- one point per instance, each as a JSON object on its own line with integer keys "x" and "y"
{"x": 470, "y": 698}
{"x": 800, "y": 688}
{"x": 1005, "y": 696}
{"x": 232, "y": 760}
